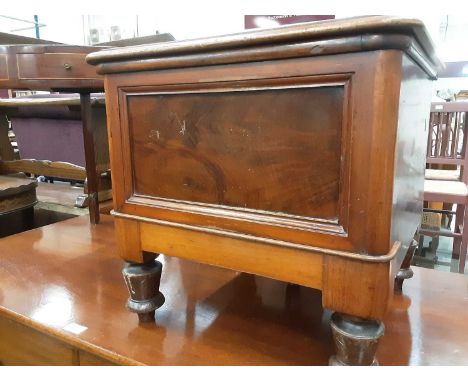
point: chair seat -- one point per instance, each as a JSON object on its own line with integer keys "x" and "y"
{"x": 445, "y": 191}
{"x": 435, "y": 174}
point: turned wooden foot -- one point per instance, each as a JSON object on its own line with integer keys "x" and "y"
{"x": 406, "y": 272}
{"x": 355, "y": 339}
{"x": 142, "y": 282}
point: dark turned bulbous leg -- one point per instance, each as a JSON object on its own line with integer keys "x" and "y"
{"x": 355, "y": 339}
{"x": 406, "y": 272}
{"x": 142, "y": 282}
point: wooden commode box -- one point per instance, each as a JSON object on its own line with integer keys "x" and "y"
{"x": 295, "y": 153}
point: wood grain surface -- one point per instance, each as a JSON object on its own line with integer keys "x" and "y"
{"x": 272, "y": 150}
{"x": 211, "y": 316}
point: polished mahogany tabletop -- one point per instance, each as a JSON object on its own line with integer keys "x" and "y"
{"x": 68, "y": 273}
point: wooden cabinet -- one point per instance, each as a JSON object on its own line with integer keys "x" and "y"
{"x": 295, "y": 153}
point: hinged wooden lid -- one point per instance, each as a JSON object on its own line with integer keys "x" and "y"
{"x": 298, "y": 40}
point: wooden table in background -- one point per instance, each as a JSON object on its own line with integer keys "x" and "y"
{"x": 214, "y": 316}
{"x": 47, "y": 66}
{"x": 60, "y": 68}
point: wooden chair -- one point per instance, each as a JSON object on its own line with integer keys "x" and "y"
{"x": 49, "y": 134}
{"x": 447, "y": 142}
{"x": 452, "y": 192}
{"x": 446, "y": 173}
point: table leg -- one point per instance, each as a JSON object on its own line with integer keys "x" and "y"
{"x": 464, "y": 241}
{"x": 355, "y": 339}
{"x": 6, "y": 149}
{"x": 90, "y": 157}
{"x": 457, "y": 241}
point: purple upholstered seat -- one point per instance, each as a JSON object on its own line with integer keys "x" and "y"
{"x": 50, "y": 139}
{"x": 52, "y": 132}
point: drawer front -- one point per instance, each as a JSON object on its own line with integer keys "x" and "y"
{"x": 3, "y": 67}
{"x": 21, "y": 345}
{"x": 24, "y": 346}
{"x": 54, "y": 66}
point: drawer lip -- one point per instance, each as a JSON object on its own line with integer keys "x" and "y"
{"x": 215, "y": 231}
{"x": 244, "y": 214}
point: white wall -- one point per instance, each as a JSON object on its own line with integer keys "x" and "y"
{"x": 455, "y": 84}
{"x": 185, "y": 26}
{"x": 73, "y": 29}
{"x": 70, "y": 28}
{"x": 67, "y": 29}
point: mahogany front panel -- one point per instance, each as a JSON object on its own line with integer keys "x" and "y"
{"x": 276, "y": 150}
